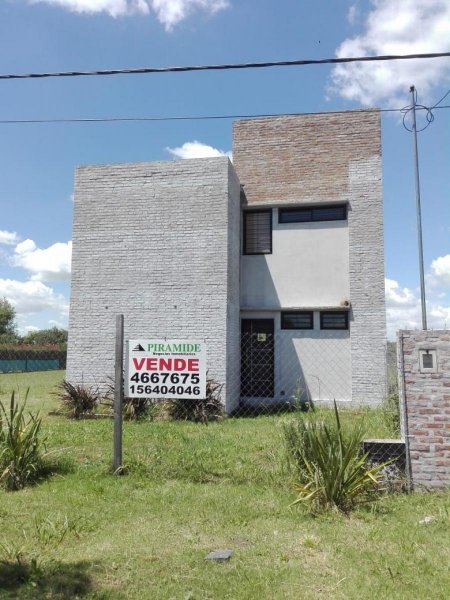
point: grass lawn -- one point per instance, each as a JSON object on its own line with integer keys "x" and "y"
{"x": 191, "y": 489}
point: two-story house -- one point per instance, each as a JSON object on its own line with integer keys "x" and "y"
{"x": 276, "y": 260}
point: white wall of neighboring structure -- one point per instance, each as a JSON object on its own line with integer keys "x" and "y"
{"x": 308, "y": 267}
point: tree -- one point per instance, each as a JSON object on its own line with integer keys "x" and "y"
{"x": 43, "y": 337}
{"x": 7, "y": 321}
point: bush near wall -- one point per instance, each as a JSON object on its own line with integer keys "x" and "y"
{"x": 31, "y": 358}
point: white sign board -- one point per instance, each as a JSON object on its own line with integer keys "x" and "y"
{"x": 165, "y": 369}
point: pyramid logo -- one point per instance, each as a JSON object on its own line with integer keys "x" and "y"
{"x": 138, "y": 348}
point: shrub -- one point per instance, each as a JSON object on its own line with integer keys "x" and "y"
{"x": 331, "y": 469}
{"x": 391, "y": 413}
{"x": 200, "y": 410}
{"x": 77, "y": 400}
{"x": 21, "y": 456}
{"x": 132, "y": 408}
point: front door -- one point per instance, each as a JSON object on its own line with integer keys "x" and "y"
{"x": 257, "y": 358}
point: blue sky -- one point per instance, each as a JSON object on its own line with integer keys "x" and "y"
{"x": 38, "y": 161}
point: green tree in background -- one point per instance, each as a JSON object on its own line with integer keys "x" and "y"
{"x": 44, "y": 337}
{"x": 7, "y": 322}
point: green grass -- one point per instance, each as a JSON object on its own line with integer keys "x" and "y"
{"x": 191, "y": 489}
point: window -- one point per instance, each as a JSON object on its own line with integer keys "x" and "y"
{"x": 334, "y": 320}
{"x": 332, "y": 212}
{"x": 258, "y": 232}
{"x": 297, "y": 320}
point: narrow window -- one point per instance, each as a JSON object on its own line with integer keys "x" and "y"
{"x": 297, "y": 320}
{"x": 258, "y": 232}
{"x": 334, "y": 320}
{"x": 331, "y": 212}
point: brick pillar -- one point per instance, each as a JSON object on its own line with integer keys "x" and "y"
{"x": 425, "y": 402}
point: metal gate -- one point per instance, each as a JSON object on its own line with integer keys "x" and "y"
{"x": 257, "y": 358}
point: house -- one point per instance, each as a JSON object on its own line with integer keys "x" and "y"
{"x": 275, "y": 260}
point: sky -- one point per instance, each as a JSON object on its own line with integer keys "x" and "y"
{"x": 38, "y": 160}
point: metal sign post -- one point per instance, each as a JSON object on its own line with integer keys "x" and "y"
{"x": 118, "y": 396}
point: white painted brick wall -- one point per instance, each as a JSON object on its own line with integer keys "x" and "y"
{"x": 366, "y": 264}
{"x": 157, "y": 242}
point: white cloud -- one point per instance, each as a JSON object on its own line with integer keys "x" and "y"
{"x": 31, "y": 297}
{"x": 30, "y": 328}
{"x": 406, "y": 27}
{"x": 168, "y": 12}
{"x": 353, "y": 14}
{"x": 404, "y": 311}
{"x": 10, "y": 238}
{"x": 197, "y": 150}
{"x": 440, "y": 270}
{"x": 47, "y": 264}
{"x": 58, "y": 324}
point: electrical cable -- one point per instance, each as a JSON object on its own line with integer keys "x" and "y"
{"x": 443, "y": 98}
{"x": 429, "y": 111}
{"x": 195, "y": 118}
{"x": 224, "y": 67}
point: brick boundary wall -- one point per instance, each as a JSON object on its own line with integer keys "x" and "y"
{"x": 425, "y": 407}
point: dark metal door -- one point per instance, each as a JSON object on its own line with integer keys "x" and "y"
{"x": 257, "y": 358}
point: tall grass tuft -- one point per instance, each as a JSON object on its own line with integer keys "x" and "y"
{"x": 199, "y": 410}
{"x": 21, "y": 448}
{"x": 76, "y": 400}
{"x": 331, "y": 469}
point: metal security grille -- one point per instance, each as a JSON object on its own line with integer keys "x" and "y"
{"x": 257, "y": 358}
{"x": 334, "y": 320}
{"x": 258, "y": 232}
{"x": 297, "y": 320}
{"x": 306, "y": 215}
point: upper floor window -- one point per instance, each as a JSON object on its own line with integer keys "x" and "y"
{"x": 258, "y": 232}
{"x": 330, "y": 212}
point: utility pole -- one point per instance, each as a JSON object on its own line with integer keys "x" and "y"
{"x": 419, "y": 217}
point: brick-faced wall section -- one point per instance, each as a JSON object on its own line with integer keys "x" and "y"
{"x": 425, "y": 407}
{"x": 305, "y": 158}
{"x": 152, "y": 241}
{"x": 322, "y": 158}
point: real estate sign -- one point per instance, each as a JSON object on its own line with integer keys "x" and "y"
{"x": 165, "y": 369}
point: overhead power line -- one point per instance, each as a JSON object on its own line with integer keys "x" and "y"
{"x": 196, "y": 117}
{"x": 225, "y": 67}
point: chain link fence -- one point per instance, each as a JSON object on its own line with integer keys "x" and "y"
{"x": 283, "y": 370}
{"x": 277, "y": 373}
{"x": 24, "y": 360}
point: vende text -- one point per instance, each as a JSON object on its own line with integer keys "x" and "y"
{"x": 166, "y": 364}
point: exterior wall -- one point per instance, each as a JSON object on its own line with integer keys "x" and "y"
{"x": 425, "y": 406}
{"x": 156, "y": 242}
{"x": 308, "y": 267}
{"x": 368, "y": 314}
{"x": 233, "y": 340}
{"x": 314, "y": 159}
{"x": 303, "y": 159}
{"x": 314, "y": 362}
